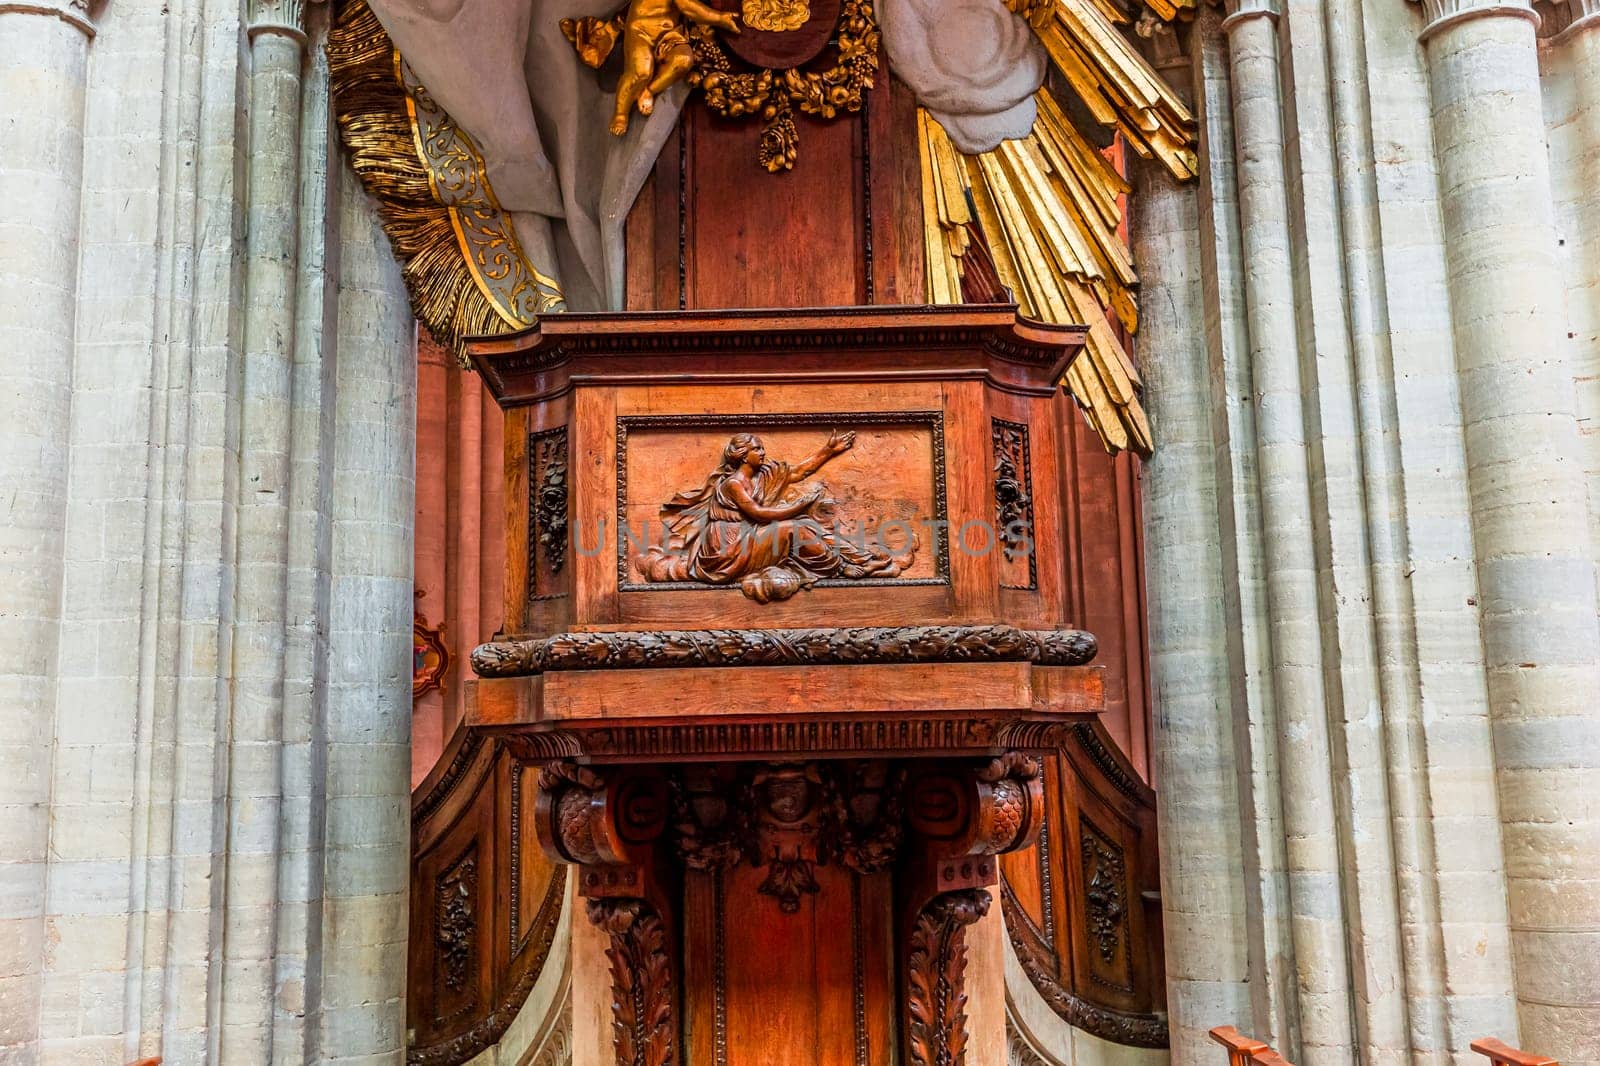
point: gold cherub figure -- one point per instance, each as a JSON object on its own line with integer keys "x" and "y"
{"x": 655, "y": 48}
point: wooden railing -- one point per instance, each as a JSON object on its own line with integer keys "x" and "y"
{"x": 1502, "y": 1054}
{"x": 1245, "y": 1050}
{"x": 1248, "y": 1051}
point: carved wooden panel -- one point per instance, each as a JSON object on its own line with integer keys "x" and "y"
{"x": 1013, "y": 505}
{"x": 876, "y": 482}
{"x": 843, "y": 227}
{"x": 458, "y": 900}
{"x": 1082, "y": 907}
{"x": 808, "y": 986}
{"x": 1099, "y": 496}
{"x": 484, "y": 901}
{"x": 1105, "y": 892}
{"x": 538, "y": 516}
{"x": 548, "y": 513}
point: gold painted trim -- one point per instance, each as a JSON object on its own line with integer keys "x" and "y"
{"x": 464, "y": 267}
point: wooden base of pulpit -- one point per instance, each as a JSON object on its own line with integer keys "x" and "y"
{"x": 786, "y": 629}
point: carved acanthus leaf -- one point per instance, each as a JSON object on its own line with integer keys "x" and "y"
{"x": 936, "y": 963}
{"x": 641, "y": 981}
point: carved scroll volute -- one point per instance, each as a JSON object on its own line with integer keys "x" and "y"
{"x": 611, "y": 827}
{"x": 960, "y": 819}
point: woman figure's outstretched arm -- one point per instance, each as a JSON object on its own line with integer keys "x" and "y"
{"x": 838, "y": 443}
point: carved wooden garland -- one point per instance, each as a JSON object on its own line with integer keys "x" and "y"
{"x": 547, "y": 501}
{"x": 838, "y": 646}
{"x": 774, "y": 94}
{"x": 455, "y": 920}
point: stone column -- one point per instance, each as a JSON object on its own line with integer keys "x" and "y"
{"x": 1536, "y": 571}
{"x": 1304, "y": 750}
{"x": 44, "y": 47}
{"x": 255, "y": 756}
{"x": 1202, "y": 898}
{"x": 366, "y": 858}
{"x": 1572, "y": 65}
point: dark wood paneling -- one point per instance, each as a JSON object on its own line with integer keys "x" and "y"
{"x": 843, "y": 227}
{"x": 484, "y": 901}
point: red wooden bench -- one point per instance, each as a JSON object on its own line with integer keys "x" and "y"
{"x": 1502, "y": 1054}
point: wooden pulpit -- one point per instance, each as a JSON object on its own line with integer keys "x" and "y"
{"x": 787, "y": 629}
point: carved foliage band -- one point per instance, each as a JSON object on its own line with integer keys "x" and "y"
{"x": 639, "y": 649}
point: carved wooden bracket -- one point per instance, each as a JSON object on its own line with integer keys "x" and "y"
{"x": 611, "y": 828}
{"x": 960, "y": 819}
{"x": 939, "y": 823}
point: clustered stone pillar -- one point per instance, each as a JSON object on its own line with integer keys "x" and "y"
{"x": 1201, "y": 897}
{"x": 1536, "y": 570}
{"x": 255, "y": 756}
{"x": 1304, "y": 748}
{"x": 44, "y": 48}
{"x": 1576, "y": 48}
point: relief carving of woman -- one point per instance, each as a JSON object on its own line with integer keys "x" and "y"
{"x": 739, "y": 528}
